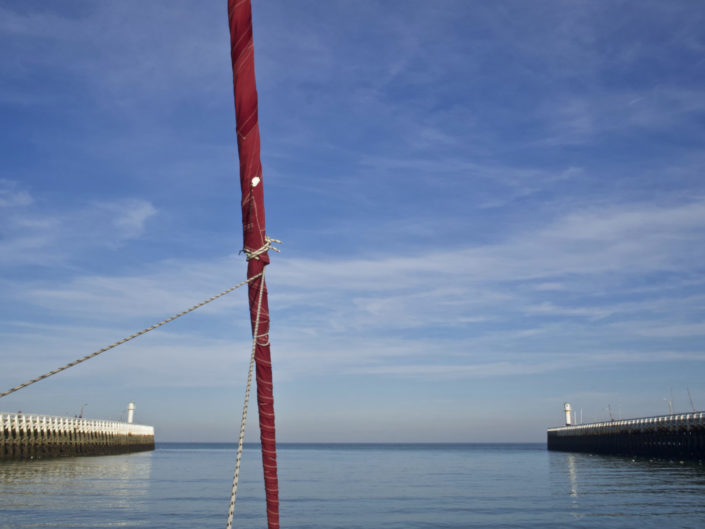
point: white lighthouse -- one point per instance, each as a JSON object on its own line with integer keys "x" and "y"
{"x": 130, "y": 412}
{"x": 567, "y": 409}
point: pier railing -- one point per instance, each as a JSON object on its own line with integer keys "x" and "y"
{"x": 655, "y": 423}
{"x": 27, "y": 436}
{"x": 679, "y": 435}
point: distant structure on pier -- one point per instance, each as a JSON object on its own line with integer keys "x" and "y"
{"x": 675, "y": 436}
{"x": 25, "y": 436}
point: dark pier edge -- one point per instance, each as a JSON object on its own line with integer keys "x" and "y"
{"x": 679, "y": 437}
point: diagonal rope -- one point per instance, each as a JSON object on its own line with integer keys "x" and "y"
{"x": 131, "y": 337}
{"x": 243, "y": 421}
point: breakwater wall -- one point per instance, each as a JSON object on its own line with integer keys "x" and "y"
{"x": 24, "y": 436}
{"x": 680, "y": 436}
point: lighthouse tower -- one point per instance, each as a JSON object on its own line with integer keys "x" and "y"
{"x": 567, "y": 409}
{"x": 130, "y": 412}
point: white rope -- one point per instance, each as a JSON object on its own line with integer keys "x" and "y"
{"x": 254, "y": 254}
{"x": 243, "y": 421}
{"x": 131, "y": 337}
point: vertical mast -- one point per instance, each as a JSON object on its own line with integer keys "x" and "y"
{"x": 254, "y": 237}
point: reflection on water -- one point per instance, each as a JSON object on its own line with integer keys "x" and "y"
{"x": 37, "y": 492}
{"x": 614, "y": 488}
{"x": 572, "y": 475}
{"x": 356, "y": 487}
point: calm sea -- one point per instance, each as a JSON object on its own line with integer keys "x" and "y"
{"x": 186, "y": 486}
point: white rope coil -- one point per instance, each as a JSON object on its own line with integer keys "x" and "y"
{"x": 262, "y": 336}
{"x": 131, "y": 337}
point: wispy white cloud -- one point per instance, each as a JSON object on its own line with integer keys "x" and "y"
{"x": 622, "y": 239}
{"x": 521, "y": 367}
{"x": 129, "y": 217}
{"x": 674, "y": 330}
{"x": 32, "y": 234}
{"x": 336, "y": 313}
{"x": 154, "y": 292}
{"x": 11, "y": 195}
{"x": 580, "y": 119}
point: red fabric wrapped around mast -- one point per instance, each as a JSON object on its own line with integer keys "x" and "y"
{"x": 248, "y": 145}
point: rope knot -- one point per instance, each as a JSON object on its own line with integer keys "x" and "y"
{"x": 266, "y": 334}
{"x": 254, "y": 254}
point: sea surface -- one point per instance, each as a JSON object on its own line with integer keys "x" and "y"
{"x": 356, "y": 486}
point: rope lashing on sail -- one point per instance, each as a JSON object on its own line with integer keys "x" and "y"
{"x": 254, "y": 254}
{"x": 127, "y": 339}
{"x": 243, "y": 421}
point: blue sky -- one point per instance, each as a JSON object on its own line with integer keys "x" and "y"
{"x": 487, "y": 208}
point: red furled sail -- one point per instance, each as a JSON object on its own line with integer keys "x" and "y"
{"x": 254, "y": 236}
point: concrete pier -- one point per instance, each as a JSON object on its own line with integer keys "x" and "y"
{"x": 24, "y": 436}
{"x": 678, "y": 436}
